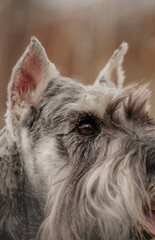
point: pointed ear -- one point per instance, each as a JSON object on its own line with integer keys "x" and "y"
{"x": 113, "y": 74}
{"x": 29, "y": 78}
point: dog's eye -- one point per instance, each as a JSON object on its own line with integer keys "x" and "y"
{"x": 87, "y": 127}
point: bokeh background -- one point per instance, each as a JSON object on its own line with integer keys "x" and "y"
{"x": 79, "y": 37}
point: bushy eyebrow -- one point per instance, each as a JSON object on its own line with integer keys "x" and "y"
{"x": 133, "y": 105}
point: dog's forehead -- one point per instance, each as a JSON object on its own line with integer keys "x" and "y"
{"x": 96, "y": 100}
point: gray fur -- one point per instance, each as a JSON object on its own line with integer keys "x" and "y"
{"x": 57, "y": 184}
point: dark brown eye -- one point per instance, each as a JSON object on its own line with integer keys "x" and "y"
{"x": 88, "y": 125}
{"x": 86, "y": 129}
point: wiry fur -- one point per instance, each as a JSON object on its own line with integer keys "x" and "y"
{"x": 57, "y": 184}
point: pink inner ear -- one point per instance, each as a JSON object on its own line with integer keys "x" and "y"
{"x": 26, "y": 79}
{"x": 114, "y": 76}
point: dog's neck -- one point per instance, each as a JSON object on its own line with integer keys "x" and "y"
{"x": 18, "y": 199}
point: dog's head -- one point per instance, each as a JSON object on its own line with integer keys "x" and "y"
{"x": 91, "y": 148}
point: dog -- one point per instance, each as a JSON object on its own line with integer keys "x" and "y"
{"x": 77, "y": 162}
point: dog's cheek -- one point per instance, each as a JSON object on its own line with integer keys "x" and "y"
{"x": 62, "y": 149}
{"x": 77, "y": 148}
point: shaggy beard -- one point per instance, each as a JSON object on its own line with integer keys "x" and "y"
{"x": 106, "y": 202}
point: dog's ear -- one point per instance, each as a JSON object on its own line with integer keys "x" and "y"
{"x": 29, "y": 78}
{"x": 112, "y": 74}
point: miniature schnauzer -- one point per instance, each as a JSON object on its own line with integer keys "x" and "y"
{"x": 76, "y": 162}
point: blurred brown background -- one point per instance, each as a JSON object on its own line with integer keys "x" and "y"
{"x": 79, "y": 37}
